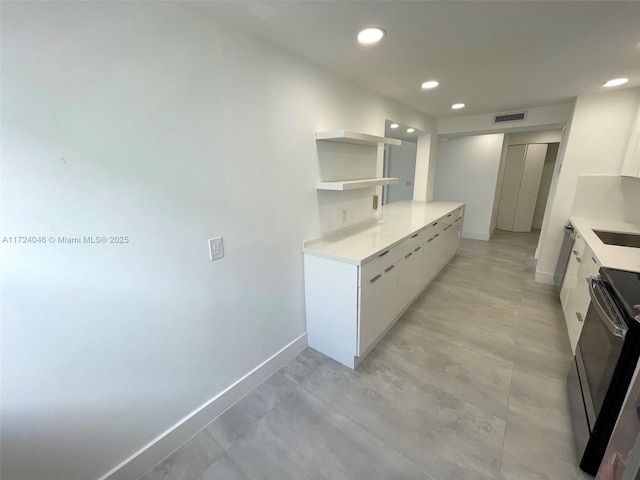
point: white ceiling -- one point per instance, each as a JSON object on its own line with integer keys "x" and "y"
{"x": 494, "y": 56}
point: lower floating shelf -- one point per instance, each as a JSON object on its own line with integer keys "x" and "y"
{"x": 341, "y": 185}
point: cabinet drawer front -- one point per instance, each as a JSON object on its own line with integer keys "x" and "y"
{"x": 435, "y": 232}
{"x": 451, "y": 217}
{"x": 414, "y": 241}
{"x": 377, "y": 265}
{"x": 579, "y": 246}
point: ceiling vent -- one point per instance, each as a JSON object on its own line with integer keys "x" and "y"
{"x": 510, "y": 117}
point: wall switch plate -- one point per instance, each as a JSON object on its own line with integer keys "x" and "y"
{"x": 375, "y": 202}
{"x": 216, "y": 250}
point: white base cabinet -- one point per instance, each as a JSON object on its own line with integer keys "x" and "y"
{"x": 574, "y": 294}
{"x": 350, "y": 307}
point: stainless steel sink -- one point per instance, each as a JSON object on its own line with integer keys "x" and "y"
{"x": 617, "y": 238}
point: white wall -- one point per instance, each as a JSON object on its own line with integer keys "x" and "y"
{"x": 467, "y": 170}
{"x": 402, "y": 165}
{"x": 148, "y": 120}
{"x": 542, "y": 136}
{"x": 540, "y": 117}
{"x": 610, "y": 197}
{"x": 425, "y": 170}
{"x": 545, "y": 184}
{"x": 596, "y": 143}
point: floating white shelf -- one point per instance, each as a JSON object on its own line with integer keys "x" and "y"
{"x": 344, "y": 136}
{"x": 341, "y": 185}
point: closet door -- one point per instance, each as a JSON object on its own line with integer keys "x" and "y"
{"x": 511, "y": 186}
{"x": 529, "y": 185}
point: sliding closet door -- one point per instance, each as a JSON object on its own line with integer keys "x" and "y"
{"x": 529, "y": 185}
{"x": 513, "y": 168}
{"x": 520, "y": 184}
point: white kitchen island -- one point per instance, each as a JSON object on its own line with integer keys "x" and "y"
{"x": 358, "y": 282}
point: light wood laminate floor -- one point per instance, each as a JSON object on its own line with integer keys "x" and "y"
{"x": 469, "y": 384}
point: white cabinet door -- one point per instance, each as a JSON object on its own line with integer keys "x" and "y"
{"x": 432, "y": 256}
{"x": 579, "y": 299}
{"x": 369, "y": 313}
{"x": 528, "y": 194}
{"x": 405, "y": 275}
{"x": 378, "y": 306}
{"x": 510, "y": 186}
{"x": 435, "y": 252}
{"x": 389, "y": 305}
{"x": 409, "y": 278}
{"x": 458, "y": 230}
{"x": 450, "y": 241}
{"x": 571, "y": 274}
{"x": 419, "y": 273}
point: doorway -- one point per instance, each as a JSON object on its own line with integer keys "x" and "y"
{"x": 526, "y": 181}
{"x": 400, "y": 162}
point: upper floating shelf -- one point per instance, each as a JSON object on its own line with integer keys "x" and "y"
{"x": 344, "y": 136}
{"x": 342, "y": 185}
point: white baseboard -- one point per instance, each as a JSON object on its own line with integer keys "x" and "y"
{"x": 476, "y": 236}
{"x": 161, "y": 447}
{"x": 545, "y": 277}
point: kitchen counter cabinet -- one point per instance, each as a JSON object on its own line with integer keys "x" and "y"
{"x": 578, "y": 298}
{"x": 611, "y": 256}
{"x": 588, "y": 255}
{"x": 379, "y": 305}
{"x": 353, "y": 296}
{"x": 571, "y": 275}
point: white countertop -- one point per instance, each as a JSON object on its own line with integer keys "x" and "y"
{"x": 398, "y": 221}
{"x": 612, "y": 256}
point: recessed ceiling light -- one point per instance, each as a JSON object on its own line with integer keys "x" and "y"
{"x": 394, "y": 125}
{"x": 411, "y": 130}
{"x": 430, "y": 84}
{"x": 370, "y": 35}
{"x": 458, "y": 106}
{"x": 615, "y": 82}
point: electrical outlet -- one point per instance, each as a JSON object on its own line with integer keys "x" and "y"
{"x": 344, "y": 215}
{"x": 216, "y": 250}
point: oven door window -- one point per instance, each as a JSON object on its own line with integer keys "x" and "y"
{"x": 600, "y": 351}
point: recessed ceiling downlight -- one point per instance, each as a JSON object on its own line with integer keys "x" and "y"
{"x": 411, "y": 130}
{"x": 394, "y": 125}
{"x": 430, "y": 84}
{"x": 615, "y": 82}
{"x": 458, "y": 106}
{"x": 370, "y": 35}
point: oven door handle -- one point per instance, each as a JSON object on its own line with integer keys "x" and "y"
{"x": 595, "y": 284}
